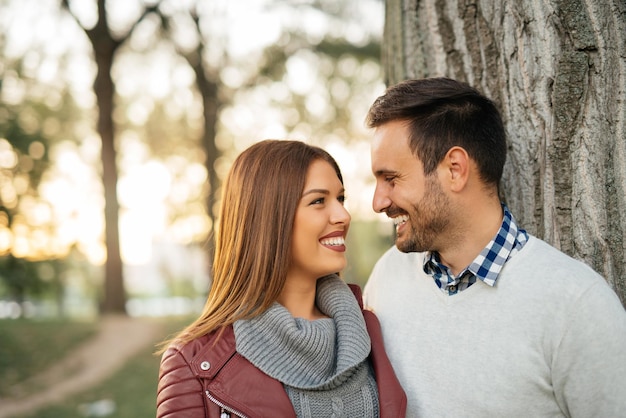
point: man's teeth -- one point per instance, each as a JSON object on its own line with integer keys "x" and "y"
{"x": 333, "y": 241}
{"x": 400, "y": 219}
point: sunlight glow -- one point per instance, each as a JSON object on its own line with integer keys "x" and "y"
{"x": 6, "y": 240}
{"x": 161, "y": 198}
{"x": 142, "y": 193}
{"x": 251, "y": 27}
{"x": 74, "y": 194}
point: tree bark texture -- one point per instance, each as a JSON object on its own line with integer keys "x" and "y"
{"x": 557, "y": 70}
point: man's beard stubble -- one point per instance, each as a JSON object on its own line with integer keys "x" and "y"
{"x": 428, "y": 220}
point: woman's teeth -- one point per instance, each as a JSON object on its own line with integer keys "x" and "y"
{"x": 333, "y": 241}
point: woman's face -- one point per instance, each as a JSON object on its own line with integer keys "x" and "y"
{"x": 320, "y": 226}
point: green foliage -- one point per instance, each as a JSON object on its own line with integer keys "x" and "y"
{"x": 23, "y": 143}
{"x": 28, "y": 347}
{"x": 21, "y": 278}
{"x": 338, "y": 48}
{"x": 28, "y": 129}
{"x": 36, "y": 117}
{"x": 33, "y": 124}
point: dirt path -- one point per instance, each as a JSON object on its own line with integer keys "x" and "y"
{"x": 118, "y": 339}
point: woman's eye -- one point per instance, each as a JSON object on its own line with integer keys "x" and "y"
{"x": 318, "y": 201}
{"x": 342, "y": 199}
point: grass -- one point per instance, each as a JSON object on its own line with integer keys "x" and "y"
{"x": 27, "y": 347}
{"x": 130, "y": 392}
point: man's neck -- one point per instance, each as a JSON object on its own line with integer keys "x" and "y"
{"x": 480, "y": 224}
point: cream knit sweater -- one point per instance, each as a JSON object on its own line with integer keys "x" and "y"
{"x": 549, "y": 340}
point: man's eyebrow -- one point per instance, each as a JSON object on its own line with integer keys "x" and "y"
{"x": 384, "y": 171}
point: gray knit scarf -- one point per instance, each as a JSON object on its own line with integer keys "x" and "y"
{"x": 323, "y": 363}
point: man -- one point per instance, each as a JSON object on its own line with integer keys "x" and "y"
{"x": 480, "y": 319}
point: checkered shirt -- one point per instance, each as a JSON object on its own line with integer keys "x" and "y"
{"x": 486, "y": 267}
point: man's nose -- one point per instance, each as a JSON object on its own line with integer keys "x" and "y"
{"x": 381, "y": 200}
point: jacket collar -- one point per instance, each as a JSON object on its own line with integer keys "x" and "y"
{"x": 209, "y": 360}
{"x": 235, "y": 382}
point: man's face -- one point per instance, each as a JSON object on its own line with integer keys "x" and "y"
{"x": 418, "y": 205}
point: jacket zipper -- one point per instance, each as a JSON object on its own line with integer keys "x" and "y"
{"x": 224, "y": 407}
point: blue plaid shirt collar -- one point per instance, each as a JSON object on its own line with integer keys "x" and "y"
{"x": 487, "y": 265}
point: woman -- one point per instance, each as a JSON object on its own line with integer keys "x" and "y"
{"x": 281, "y": 334}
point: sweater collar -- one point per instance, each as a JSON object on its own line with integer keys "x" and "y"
{"x": 308, "y": 354}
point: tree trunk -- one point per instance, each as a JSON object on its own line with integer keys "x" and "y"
{"x": 208, "y": 84}
{"x": 210, "y": 101}
{"x": 557, "y": 69}
{"x": 209, "y": 90}
{"x": 104, "y": 48}
{"x": 114, "y": 300}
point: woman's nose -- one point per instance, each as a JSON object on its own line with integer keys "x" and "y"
{"x": 341, "y": 215}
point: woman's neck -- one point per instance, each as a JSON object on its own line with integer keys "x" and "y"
{"x": 298, "y": 297}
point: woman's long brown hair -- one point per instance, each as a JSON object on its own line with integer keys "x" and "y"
{"x": 253, "y": 241}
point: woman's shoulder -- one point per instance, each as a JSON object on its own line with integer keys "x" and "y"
{"x": 183, "y": 365}
{"x": 358, "y": 293}
{"x": 214, "y": 347}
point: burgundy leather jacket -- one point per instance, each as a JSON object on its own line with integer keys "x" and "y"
{"x": 208, "y": 378}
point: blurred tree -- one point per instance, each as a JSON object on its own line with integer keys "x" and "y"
{"x": 23, "y": 145}
{"x": 206, "y": 53}
{"x": 556, "y": 69}
{"x": 30, "y": 122}
{"x": 209, "y": 85}
{"x": 105, "y": 44}
{"x": 240, "y": 96}
{"x": 20, "y": 278}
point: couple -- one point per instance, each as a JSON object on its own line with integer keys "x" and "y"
{"x": 478, "y": 317}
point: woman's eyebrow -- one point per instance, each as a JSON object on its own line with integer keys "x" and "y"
{"x": 311, "y": 191}
{"x": 321, "y": 191}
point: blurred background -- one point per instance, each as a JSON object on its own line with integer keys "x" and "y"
{"x": 118, "y": 122}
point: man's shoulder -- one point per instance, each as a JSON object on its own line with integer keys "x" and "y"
{"x": 541, "y": 254}
{"x": 548, "y": 267}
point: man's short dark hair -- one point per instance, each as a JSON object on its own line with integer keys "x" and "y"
{"x": 442, "y": 113}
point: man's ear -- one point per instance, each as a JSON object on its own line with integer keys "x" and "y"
{"x": 457, "y": 166}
